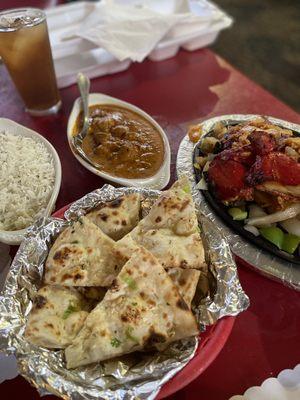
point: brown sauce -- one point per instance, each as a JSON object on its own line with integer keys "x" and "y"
{"x": 122, "y": 142}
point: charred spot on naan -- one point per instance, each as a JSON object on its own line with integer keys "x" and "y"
{"x": 153, "y": 338}
{"x": 116, "y": 203}
{"x": 183, "y": 264}
{"x": 39, "y": 301}
{"x": 115, "y": 286}
{"x": 103, "y": 216}
{"x": 182, "y": 304}
{"x": 73, "y": 276}
{"x": 131, "y": 314}
{"x": 66, "y": 252}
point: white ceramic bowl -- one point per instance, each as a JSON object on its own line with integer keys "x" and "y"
{"x": 15, "y": 237}
{"x": 157, "y": 181}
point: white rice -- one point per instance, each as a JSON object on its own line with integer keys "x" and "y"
{"x": 26, "y": 180}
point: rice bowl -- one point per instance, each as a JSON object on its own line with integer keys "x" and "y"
{"x": 37, "y": 176}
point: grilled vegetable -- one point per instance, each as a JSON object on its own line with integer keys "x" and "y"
{"x": 288, "y": 213}
{"x": 273, "y": 234}
{"x": 290, "y": 243}
{"x": 292, "y": 226}
{"x": 237, "y": 214}
{"x": 208, "y": 144}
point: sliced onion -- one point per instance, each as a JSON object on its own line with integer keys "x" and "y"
{"x": 211, "y": 156}
{"x": 289, "y": 212}
{"x": 252, "y": 229}
{"x": 292, "y": 226}
{"x": 256, "y": 211}
{"x": 206, "y": 166}
{"x": 202, "y": 185}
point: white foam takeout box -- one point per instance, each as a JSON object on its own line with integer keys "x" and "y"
{"x": 76, "y": 54}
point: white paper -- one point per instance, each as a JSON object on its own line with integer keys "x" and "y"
{"x": 131, "y": 30}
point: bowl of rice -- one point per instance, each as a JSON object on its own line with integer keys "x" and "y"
{"x": 30, "y": 179}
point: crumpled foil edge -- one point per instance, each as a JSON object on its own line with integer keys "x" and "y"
{"x": 123, "y": 379}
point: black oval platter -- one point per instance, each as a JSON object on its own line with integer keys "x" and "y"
{"x": 237, "y": 226}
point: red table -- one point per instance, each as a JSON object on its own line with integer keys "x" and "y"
{"x": 188, "y": 87}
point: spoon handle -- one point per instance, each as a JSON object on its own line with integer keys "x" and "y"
{"x": 84, "y": 88}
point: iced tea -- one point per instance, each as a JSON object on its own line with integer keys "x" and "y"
{"x": 26, "y": 52}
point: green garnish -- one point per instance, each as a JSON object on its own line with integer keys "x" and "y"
{"x": 187, "y": 189}
{"x": 71, "y": 309}
{"x": 115, "y": 342}
{"x": 290, "y": 243}
{"x": 273, "y": 234}
{"x": 237, "y": 214}
{"x": 75, "y": 242}
{"x": 198, "y": 229}
{"x": 129, "y": 335}
{"x": 130, "y": 281}
{"x": 134, "y": 303}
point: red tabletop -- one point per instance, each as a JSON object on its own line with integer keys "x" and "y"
{"x": 188, "y": 87}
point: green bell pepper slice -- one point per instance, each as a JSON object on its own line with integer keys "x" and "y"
{"x": 273, "y": 234}
{"x": 290, "y": 243}
{"x": 237, "y": 214}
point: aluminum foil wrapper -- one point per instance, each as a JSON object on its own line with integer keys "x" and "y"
{"x": 128, "y": 377}
{"x": 264, "y": 262}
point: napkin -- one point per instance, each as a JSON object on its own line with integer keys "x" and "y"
{"x": 132, "y": 29}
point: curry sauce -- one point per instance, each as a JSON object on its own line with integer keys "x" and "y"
{"x": 122, "y": 142}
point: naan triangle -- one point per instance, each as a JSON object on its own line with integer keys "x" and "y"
{"x": 118, "y": 217}
{"x": 56, "y": 317}
{"x": 142, "y": 310}
{"x": 186, "y": 281}
{"x": 170, "y": 231}
{"x": 82, "y": 255}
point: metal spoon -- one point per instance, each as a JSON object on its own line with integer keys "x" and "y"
{"x": 83, "y": 83}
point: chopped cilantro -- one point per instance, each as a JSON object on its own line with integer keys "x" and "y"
{"x": 115, "y": 342}
{"x": 129, "y": 335}
{"x": 69, "y": 311}
{"x": 187, "y": 189}
{"x": 75, "y": 242}
{"x": 134, "y": 303}
{"x": 198, "y": 229}
{"x": 130, "y": 281}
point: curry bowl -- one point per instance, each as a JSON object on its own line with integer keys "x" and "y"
{"x": 160, "y": 176}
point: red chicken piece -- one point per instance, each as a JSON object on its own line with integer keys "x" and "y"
{"x": 227, "y": 180}
{"x": 276, "y": 167}
{"x": 262, "y": 142}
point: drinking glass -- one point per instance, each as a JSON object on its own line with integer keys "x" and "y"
{"x": 26, "y": 52}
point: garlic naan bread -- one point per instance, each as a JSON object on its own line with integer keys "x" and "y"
{"x": 82, "y": 255}
{"x": 170, "y": 230}
{"x": 56, "y": 317}
{"x": 186, "y": 281}
{"x": 118, "y": 217}
{"x": 142, "y": 310}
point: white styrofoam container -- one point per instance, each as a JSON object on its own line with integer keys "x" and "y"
{"x": 285, "y": 387}
{"x": 77, "y": 54}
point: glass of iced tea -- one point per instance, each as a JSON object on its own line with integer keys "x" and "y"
{"x": 26, "y": 52}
